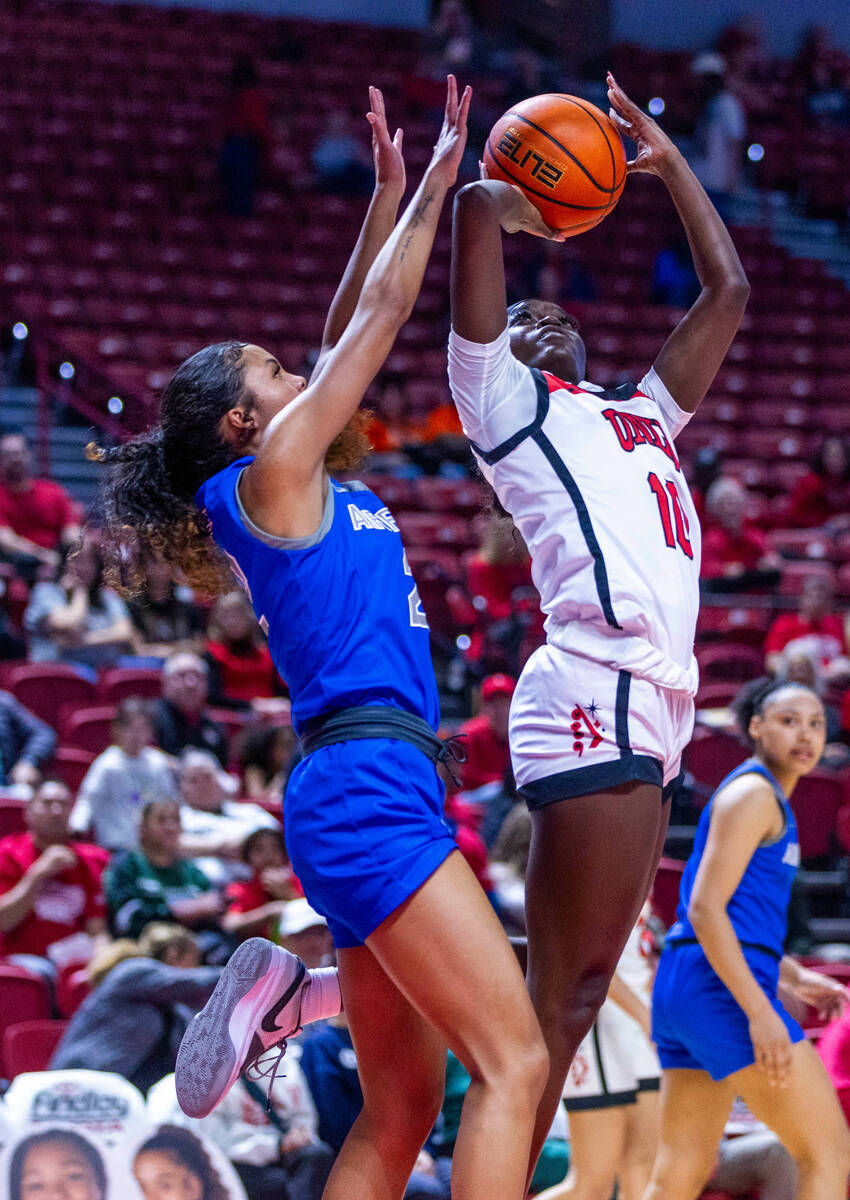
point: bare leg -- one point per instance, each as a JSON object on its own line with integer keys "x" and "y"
{"x": 597, "y": 1141}
{"x": 592, "y": 861}
{"x": 447, "y": 955}
{"x": 694, "y": 1110}
{"x": 808, "y": 1120}
{"x": 641, "y": 1143}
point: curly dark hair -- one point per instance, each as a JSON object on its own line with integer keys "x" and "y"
{"x": 148, "y": 499}
{"x": 69, "y": 1138}
{"x": 184, "y": 1149}
{"x": 752, "y": 700}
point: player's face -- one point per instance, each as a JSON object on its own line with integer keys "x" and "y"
{"x": 791, "y": 732}
{"x": 543, "y": 335}
{"x": 269, "y": 389}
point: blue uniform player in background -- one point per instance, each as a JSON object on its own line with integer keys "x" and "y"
{"x": 242, "y": 467}
{"x": 718, "y": 1023}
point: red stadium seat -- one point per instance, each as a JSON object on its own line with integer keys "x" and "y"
{"x": 716, "y": 695}
{"x": 46, "y": 688}
{"x": 710, "y": 757}
{"x": 794, "y": 574}
{"x": 30, "y": 1045}
{"x": 12, "y": 816}
{"x": 122, "y": 682}
{"x": 88, "y": 728}
{"x": 816, "y": 801}
{"x": 72, "y": 987}
{"x": 728, "y": 663}
{"x": 664, "y": 895}
{"x": 71, "y": 764}
{"x": 26, "y": 997}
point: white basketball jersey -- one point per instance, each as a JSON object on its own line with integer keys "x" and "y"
{"x": 594, "y": 485}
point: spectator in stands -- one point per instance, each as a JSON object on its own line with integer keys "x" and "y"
{"x": 26, "y": 743}
{"x": 180, "y": 717}
{"x": 508, "y": 866}
{"x": 268, "y": 755}
{"x": 77, "y": 618}
{"x": 145, "y": 994}
{"x": 305, "y": 932}
{"x": 390, "y": 429}
{"x": 822, "y": 496}
{"x": 498, "y": 567}
{"x": 165, "y": 617}
{"x": 450, "y": 39}
{"x": 37, "y": 516}
{"x": 247, "y": 140}
{"x": 485, "y": 737}
{"x": 255, "y": 905}
{"x": 721, "y": 127}
{"x": 341, "y": 162}
{"x": 815, "y": 630}
{"x": 733, "y": 546}
{"x": 50, "y": 886}
{"x": 706, "y": 468}
{"x": 674, "y": 280}
{"x": 130, "y": 773}
{"x": 270, "y": 1137}
{"x": 215, "y": 825}
{"x": 239, "y": 664}
{"x": 154, "y": 883}
{"x": 822, "y": 73}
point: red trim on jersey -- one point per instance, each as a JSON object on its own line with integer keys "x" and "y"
{"x": 555, "y": 384}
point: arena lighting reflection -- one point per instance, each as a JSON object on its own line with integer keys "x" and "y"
{"x": 115, "y": 405}
{"x": 66, "y": 370}
{"x": 755, "y": 152}
{"x": 656, "y": 106}
{"x": 19, "y": 331}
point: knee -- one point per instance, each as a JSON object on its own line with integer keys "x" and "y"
{"x": 569, "y": 1011}
{"x": 411, "y": 1110}
{"x": 517, "y": 1067}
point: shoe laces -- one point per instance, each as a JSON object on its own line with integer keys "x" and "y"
{"x": 266, "y": 1065}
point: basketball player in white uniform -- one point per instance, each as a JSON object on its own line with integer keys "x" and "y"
{"x": 593, "y": 482}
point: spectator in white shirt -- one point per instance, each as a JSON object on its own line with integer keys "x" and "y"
{"x": 130, "y": 773}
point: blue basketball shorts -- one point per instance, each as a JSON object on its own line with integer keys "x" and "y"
{"x": 364, "y": 829}
{"x": 696, "y": 1022}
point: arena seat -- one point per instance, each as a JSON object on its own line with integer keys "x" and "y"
{"x": 817, "y": 800}
{"x": 729, "y": 663}
{"x": 12, "y": 816}
{"x": 664, "y": 895}
{"x": 26, "y": 997}
{"x": 71, "y": 764}
{"x": 709, "y": 757}
{"x": 72, "y": 987}
{"x": 45, "y": 688}
{"x": 30, "y": 1045}
{"x": 120, "y": 683}
{"x": 716, "y": 695}
{"x": 88, "y": 728}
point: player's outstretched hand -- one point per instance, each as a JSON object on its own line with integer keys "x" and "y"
{"x": 772, "y": 1046}
{"x": 386, "y": 152}
{"x": 452, "y": 140}
{"x": 516, "y": 212}
{"x": 655, "y": 150}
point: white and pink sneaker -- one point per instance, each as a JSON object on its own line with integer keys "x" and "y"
{"x": 256, "y": 1006}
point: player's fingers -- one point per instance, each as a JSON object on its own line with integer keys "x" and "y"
{"x": 482, "y": 170}
{"x": 463, "y": 108}
{"x": 451, "y": 99}
{"x": 398, "y": 139}
{"x": 619, "y": 119}
{"x": 379, "y": 106}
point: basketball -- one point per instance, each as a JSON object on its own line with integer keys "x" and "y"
{"x": 565, "y": 154}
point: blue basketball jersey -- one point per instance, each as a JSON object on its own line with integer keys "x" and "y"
{"x": 341, "y": 610}
{"x": 758, "y": 908}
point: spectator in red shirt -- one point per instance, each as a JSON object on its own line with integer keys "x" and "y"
{"x": 37, "y": 516}
{"x": 498, "y": 568}
{"x": 240, "y": 665}
{"x": 485, "y": 737}
{"x": 50, "y": 886}
{"x": 254, "y": 905}
{"x": 823, "y": 494}
{"x": 732, "y": 544}
{"x": 815, "y": 630}
{"x": 247, "y": 140}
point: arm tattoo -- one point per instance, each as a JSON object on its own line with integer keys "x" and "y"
{"x": 418, "y": 217}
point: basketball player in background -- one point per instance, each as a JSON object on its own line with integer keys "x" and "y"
{"x": 242, "y": 461}
{"x": 591, "y": 477}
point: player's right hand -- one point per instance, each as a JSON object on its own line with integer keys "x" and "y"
{"x": 452, "y": 140}
{"x": 516, "y": 212}
{"x": 772, "y": 1046}
{"x": 386, "y": 153}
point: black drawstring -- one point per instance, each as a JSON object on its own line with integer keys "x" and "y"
{"x": 451, "y": 751}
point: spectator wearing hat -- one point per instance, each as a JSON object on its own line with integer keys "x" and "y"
{"x": 255, "y": 905}
{"x": 485, "y": 737}
{"x": 305, "y": 932}
{"x": 25, "y": 743}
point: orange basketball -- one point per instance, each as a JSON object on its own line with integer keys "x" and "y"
{"x": 565, "y": 154}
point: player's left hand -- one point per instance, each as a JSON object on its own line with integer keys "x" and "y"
{"x": 386, "y": 153}
{"x": 655, "y": 150}
{"x": 828, "y": 996}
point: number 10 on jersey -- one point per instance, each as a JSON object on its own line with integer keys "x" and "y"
{"x": 673, "y": 519}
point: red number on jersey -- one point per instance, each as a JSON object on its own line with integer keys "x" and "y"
{"x": 667, "y": 496}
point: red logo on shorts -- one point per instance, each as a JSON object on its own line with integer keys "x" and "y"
{"x": 579, "y": 1069}
{"x": 585, "y": 725}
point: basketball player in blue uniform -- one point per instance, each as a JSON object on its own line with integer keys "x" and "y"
{"x": 591, "y": 477}
{"x": 719, "y": 1027}
{"x": 243, "y": 461}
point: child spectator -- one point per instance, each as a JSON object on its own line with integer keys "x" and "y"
{"x": 130, "y": 773}
{"x": 154, "y": 883}
{"x": 145, "y": 994}
{"x": 823, "y": 494}
{"x": 816, "y": 630}
{"x": 215, "y": 825}
{"x": 77, "y": 619}
{"x": 305, "y": 932}
{"x": 485, "y": 737}
{"x": 165, "y": 617}
{"x": 37, "y": 516}
{"x": 237, "y": 656}
{"x": 50, "y": 886}
{"x": 255, "y": 905}
{"x": 26, "y": 743}
{"x": 180, "y": 716}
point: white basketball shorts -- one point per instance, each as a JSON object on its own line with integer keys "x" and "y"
{"x": 613, "y": 1064}
{"x": 578, "y": 726}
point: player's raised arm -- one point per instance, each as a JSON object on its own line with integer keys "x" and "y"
{"x": 481, "y": 211}
{"x": 377, "y": 226}
{"x": 692, "y": 355}
{"x": 282, "y": 489}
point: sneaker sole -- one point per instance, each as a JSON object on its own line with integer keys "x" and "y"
{"x": 216, "y": 1043}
